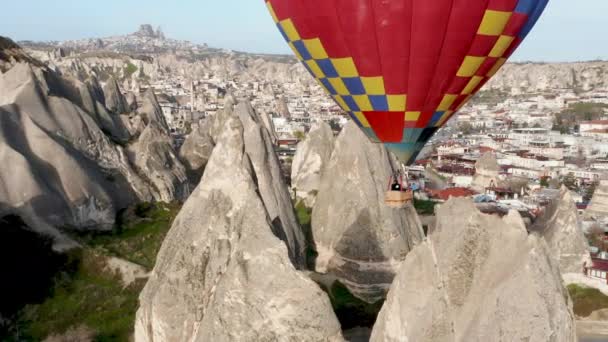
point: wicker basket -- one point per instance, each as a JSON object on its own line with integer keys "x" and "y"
{"x": 398, "y": 199}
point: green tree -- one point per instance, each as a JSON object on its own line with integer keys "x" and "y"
{"x": 569, "y": 181}
{"x": 544, "y": 182}
{"x": 590, "y": 191}
{"x": 465, "y": 127}
{"x": 299, "y": 135}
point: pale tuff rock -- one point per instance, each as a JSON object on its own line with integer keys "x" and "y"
{"x": 598, "y": 207}
{"x": 271, "y": 184}
{"x": 562, "y": 230}
{"x": 538, "y": 77}
{"x": 312, "y": 155}
{"x": 151, "y": 110}
{"x": 196, "y": 150}
{"x": 222, "y": 274}
{"x": 267, "y": 121}
{"x": 115, "y": 101}
{"x": 91, "y": 101}
{"x": 48, "y": 179}
{"x": 477, "y": 278}
{"x": 128, "y": 271}
{"x": 153, "y": 156}
{"x": 486, "y": 173}
{"x": 359, "y": 239}
{"x": 75, "y": 174}
{"x": 131, "y": 102}
{"x": 56, "y": 137}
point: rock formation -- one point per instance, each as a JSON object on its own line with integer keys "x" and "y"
{"x": 115, "y": 101}
{"x": 562, "y": 230}
{"x": 486, "y": 173}
{"x": 312, "y": 155}
{"x": 92, "y": 99}
{"x": 196, "y": 150}
{"x": 477, "y": 278}
{"x": 271, "y": 184}
{"x": 359, "y": 239}
{"x": 152, "y": 111}
{"x": 223, "y": 272}
{"x": 518, "y": 78}
{"x": 60, "y": 141}
{"x": 598, "y": 207}
{"x": 153, "y": 156}
{"x": 267, "y": 121}
{"x": 50, "y": 144}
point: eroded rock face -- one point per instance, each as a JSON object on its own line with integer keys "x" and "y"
{"x": 64, "y": 169}
{"x": 196, "y": 150}
{"x": 272, "y": 186}
{"x": 154, "y": 156}
{"x": 222, "y": 273}
{"x": 598, "y": 207}
{"x": 312, "y": 155}
{"x": 486, "y": 173}
{"x": 151, "y": 110}
{"x": 477, "y": 278}
{"x": 562, "y": 230}
{"x": 115, "y": 101}
{"x": 68, "y": 167}
{"x": 359, "y": 239}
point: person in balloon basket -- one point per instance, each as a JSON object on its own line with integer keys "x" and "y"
{"x": 396, "y": 186}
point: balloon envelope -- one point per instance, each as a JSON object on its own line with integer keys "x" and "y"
{"x": 402, "y": 68}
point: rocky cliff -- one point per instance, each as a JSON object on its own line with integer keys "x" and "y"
{"x": 562, "y": 229}
{"x": 151, "y": 111}
{"x": 358, "y": 238}
{"x": 224, "y": 272}
{"x": 196, "y": 150}
{"x": 115, "y": 100}
{"x": 311, "y": 157}
{"x": 153, "y": 156}
{"x": 486, "y": 173}
{"x": 519, "y": 78}
{"x": 67, "y": 163}
{"x": 477, "y": 278}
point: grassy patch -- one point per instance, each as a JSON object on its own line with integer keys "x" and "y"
{"x": 304, "y": 216}
{"x": 351, "y": 311}
{"x": 83, "y": 293}
{"x": 424, "y": 207}
{"x": 139, "y": 233}
{"x": 586, "y": 299}
{"x": 87, "y": 295}
{"x": 130, "y": 70}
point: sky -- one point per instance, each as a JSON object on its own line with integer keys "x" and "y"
{"x": 570, "y": 30}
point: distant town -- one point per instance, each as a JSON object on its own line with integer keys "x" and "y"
{"x": 512, "y": 147}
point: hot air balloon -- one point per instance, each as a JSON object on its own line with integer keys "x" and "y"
{"x": 402, "y": 68}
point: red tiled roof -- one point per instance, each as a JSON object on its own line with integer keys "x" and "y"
{"x": 599, "y": 264}
{"x": 451, "y": 192}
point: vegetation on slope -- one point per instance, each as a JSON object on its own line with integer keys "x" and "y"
{"x": 424, "y": 207}
{"x": 130, "y": 69}
{"x": 576, "y": 113}
{"x": 304, "y": 216}
{"x": 351, "y": 311}
{"x": 84, "y": 295}
{"x": 587, "y": 299}
{"x": 138, "y": 235}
